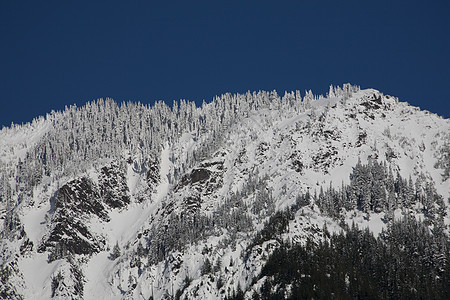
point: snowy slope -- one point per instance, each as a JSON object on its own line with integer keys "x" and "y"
{"x": 205, "y": 195}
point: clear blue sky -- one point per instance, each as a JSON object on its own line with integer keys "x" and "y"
{"x": 56, "y": 53}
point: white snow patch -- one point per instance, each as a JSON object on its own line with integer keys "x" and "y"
{"x": 37, "y": 275}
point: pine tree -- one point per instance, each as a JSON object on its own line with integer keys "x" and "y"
{"x": 206, "y": 269}
{"x": 116, "y": 251}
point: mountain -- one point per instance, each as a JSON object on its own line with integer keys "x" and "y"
{"x": 251, "y": 196}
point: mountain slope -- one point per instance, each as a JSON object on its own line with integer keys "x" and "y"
{"x": 130, "y": 201}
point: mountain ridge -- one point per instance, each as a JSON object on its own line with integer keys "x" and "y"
{"x": 181, "y": 191}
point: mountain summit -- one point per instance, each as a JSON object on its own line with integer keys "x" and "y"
{"x": 250, "y": 196}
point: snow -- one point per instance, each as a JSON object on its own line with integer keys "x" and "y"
{"x": 34, "y": 223}
{"x": 263, "y": 144}
{"x": 325, "y": 102}
{"x": 123, "y": 228}
{"x": 166, "y": 166}
{"x": 15, "y": 143}
{"x": 37, "y": 274}
{"x": 375, "y": 222}
{"x": 97, "y": 273}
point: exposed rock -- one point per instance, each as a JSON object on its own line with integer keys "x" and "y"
{"x": 199, "y": 175}
{"x": 70, "y": 235}
{"x": 75, "y": 201}
{"x": 80, "y": 196}
{"x": 113, "y": 187}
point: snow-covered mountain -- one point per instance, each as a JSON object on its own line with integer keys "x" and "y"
{"x": 128, "y": 201}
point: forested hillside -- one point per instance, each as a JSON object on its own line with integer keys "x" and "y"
{"x": 249, "y": 196}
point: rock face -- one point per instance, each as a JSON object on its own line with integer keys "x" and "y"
{"x": 80, "y": 196}
{"x": 113, "y": 187}
{"x": 205, "y": 203}
{"x": 199, "y": 175}
{"x": 75, "y": 202}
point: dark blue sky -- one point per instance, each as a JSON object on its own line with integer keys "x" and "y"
{"x": 57, "y": 53}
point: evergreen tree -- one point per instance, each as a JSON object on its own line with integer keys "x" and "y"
{"x": 116, "y": 251}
